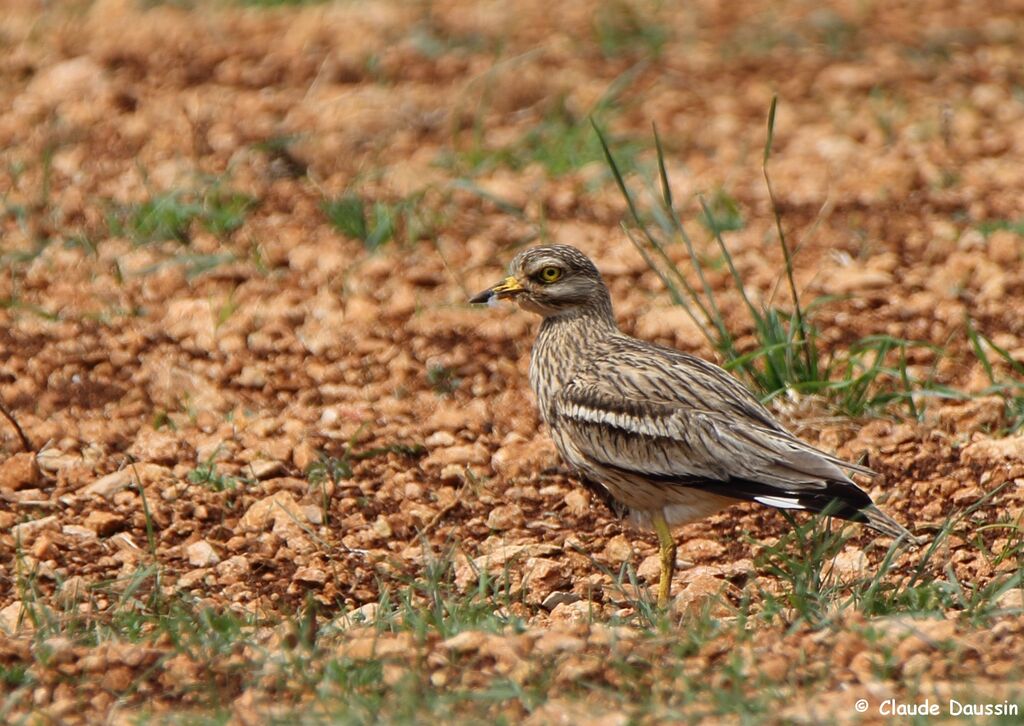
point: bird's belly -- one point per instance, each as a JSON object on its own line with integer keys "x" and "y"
{"x": 688, "y": 504}
{"x": 643, "y": 497}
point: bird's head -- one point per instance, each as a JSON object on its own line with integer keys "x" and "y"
{"x": 551, "y": 280}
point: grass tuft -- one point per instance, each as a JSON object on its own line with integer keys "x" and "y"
{"x": 174, "y": 215}
{"x": 561, "y": 141}
{"x": 1011, "y": 390}
{"x": 629, "y": 28}
{"x": 377, "y": 223}
{"x": 871, "y": 375}
{"x": 206, "y": 475}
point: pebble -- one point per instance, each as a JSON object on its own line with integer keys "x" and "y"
{"x": 26, "y": 532}
{"x": 13, "y": 619}
{"x": 618, "y": 549}
{"x": 310, "y": 576}
{"x": 505, "y": 517}
{"x": 577, "y": 501}
{"x": 231, "y": 569}
{"x": 278, "y": 506}
{"x": 439, "y": 438}
{"x": 458, "y": 455}
{"x": 19, "y": 471}
{"x": 202, "y": 554}
{"x": 109, "y": 485}
{"x": 264, "y": 469}
{"x": 104, "y": 524}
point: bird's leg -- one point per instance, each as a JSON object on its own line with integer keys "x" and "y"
{"x": 668, "y": 557}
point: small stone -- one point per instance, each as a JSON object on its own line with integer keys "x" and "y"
{"x": 363, "y": 615}
{"x": 439, "y": 439}
{"x": 19, "y": 471}
{"x": 519, "y": 459}
{"x": 157, "y": 447}
{"x": 280, "y": 506}
{"x": 505, "y": 516}
{"x": 774, "y": 668}
{"x": 650, "y": 569}
{"x": 542, "y": 576}
{"x": 700, "y": 591}
{"x": 447, "y": 418}
{"x": 376, "y": 646}
{"x": 58, "y": 650}
{"x": 303, "y": 456}
{"x": 26, "y": 532}
{"x": 14, "y": 618}
{"x": 193, "y": 578}
{"x": 572, "y": 612}
{"x": 1011, "y": 599}
{"x": 232, "y": 569}
{"x": 313, "y": 513}
{"x": 468, "y": 571}
{"x": 554, "y": 641}
{"x": 264, "y": 469}
{"x": 72, "y": 590}
{"x": 453, "y": 472}
{"x": 467, "y": 641}
{"x": 463, "y": 455}
{"x": 310, "y": 576}
{"x": 77, "y": 80}
{"x": 851, "y": 562}
{"x": 577, "y": 501}
{"x": 111, "y": 484}
{"x": 618, "y": 549}
{"x": 382, "y": 528}
{"x": 117, "y": 679}
{"x": 916, "y": 665}
{"x": 104, "y": 524}
{"x": 851, "y": 279}
{"x": 669, "y": 322}
{"x": 77, "y": 530}
{"x": 215, "y": 449}
{"x": 44, "y": 548}
{"x": 251, "y": 377}
{"x": 202, "y": 554}
{"x": 700, "y": 549}
{"x": 1011, "y": 447}
{"x": 28, "y": 497}
{"x": 124, "y": 542}
{"x": 191, "y": 320}
{"x": 1005, "y": 247}
{"x": 53, "y": 461}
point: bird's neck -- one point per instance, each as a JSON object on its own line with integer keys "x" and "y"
{"x": 596, "y": 319}
{"x": 564, "y": 344}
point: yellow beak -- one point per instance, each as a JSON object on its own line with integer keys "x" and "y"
{"x": 506, "y": 288}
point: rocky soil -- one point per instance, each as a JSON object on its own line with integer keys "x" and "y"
{"x": 237, "y": 403}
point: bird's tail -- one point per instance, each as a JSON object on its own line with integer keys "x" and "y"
{"x": 882, "y": 522}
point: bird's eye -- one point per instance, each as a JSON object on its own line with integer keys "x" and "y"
{"x": 550, "y": 274}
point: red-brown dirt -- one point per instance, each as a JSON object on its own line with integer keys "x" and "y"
{"x": 182, "y": 395}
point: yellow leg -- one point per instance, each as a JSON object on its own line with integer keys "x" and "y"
{"x": 668, "y": 557}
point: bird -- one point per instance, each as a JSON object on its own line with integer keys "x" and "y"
{"x": 662, "y": 435}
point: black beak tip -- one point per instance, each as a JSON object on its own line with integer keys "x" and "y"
{"x": 481, "y": 297}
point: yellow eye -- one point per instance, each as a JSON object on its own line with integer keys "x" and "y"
{"x": 550, "y": 274}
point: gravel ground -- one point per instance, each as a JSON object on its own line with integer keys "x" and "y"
{"x": 237, "y": 244}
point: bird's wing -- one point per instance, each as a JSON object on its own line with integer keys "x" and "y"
{"x": 678, "y": 418}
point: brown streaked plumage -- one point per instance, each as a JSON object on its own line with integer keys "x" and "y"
{"x": 667, "y": 435}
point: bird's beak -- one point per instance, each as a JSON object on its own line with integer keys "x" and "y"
{"x": 506, "y": 288}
